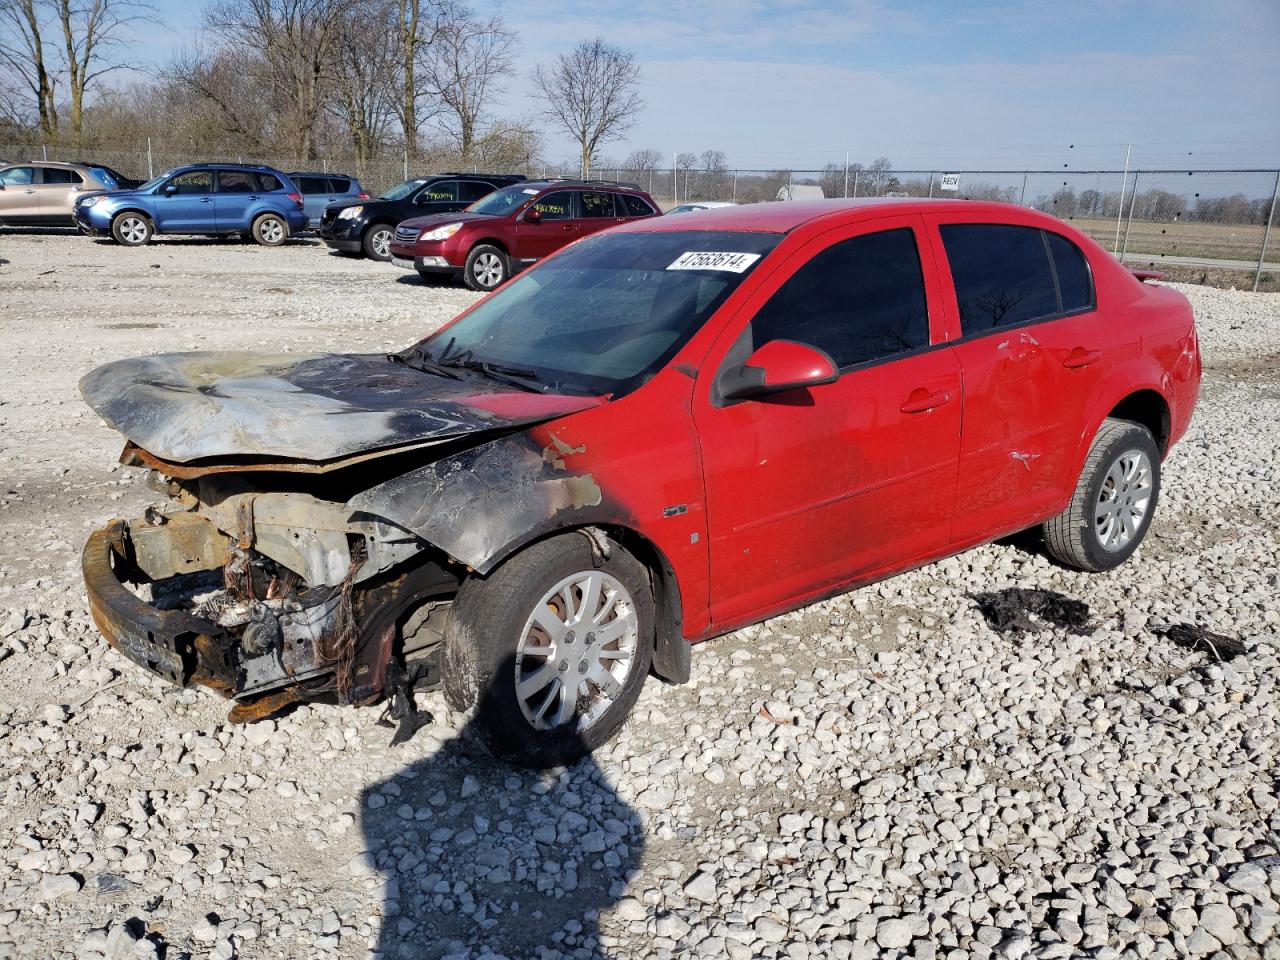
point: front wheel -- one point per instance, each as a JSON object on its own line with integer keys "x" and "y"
{"x": 131, "y": 230}
{"x": 377, "y": 242}
{"x": 270, "y": 230}
{"x": 487, "y": 267}
{"x": 546, "y": 656}
{"x": 1114, "y": 501}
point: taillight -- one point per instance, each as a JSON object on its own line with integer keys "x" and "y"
{"x": 296, "y": 198}
{"x": 362, "y": 195}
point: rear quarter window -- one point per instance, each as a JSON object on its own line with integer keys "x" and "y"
{"x": 270, "y": 182}
{"x": 60, "y": 176}
{"x": 1001, "y": 273}
{"x": 339, "y": 185}
{"x": 635, "y": 206}
{"x": 1074, "y": 279}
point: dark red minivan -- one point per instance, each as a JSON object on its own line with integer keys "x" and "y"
{"x": 512, "y": 228}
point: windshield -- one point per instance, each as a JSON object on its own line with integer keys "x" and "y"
{"x": 608, "y": 312}
{"x": 402, "y": 190}
{"x": 502, "y": 201}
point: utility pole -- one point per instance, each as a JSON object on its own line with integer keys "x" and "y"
{"x": 1123, "y": 182}
{"x": 1271, "y": 215}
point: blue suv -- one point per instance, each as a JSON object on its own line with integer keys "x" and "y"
{"x": 258, "y": 203}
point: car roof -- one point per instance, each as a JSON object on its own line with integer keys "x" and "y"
{"x": 783, "y": 216}
{"x": 319, "y": 173}
{"x": 55, "y": 164}
{"x": 569, "y": 184}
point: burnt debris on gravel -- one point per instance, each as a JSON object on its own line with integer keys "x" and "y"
{"x": 1030, "y": 609}
{"x": 1195, "y": 637}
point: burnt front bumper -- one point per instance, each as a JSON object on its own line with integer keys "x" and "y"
{"x": 173, "y": 644}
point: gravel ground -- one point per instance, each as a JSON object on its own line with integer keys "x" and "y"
{"x": 883, "y": 774}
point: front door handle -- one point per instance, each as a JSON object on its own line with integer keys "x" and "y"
{"x": 206, "y": 199}
{"x": 1080, "y": 357}
{"x": 28, "y": 191}
{"x": 921, "y": 400}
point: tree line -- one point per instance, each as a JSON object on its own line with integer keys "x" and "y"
{"x": 357, "y": 79}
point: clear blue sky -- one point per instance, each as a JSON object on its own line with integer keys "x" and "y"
{"x": 974, "y": 83}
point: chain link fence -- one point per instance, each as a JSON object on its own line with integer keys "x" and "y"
{"x": 1200, "y": 225}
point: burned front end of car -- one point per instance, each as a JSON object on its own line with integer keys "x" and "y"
{"x": 265, "y": 595}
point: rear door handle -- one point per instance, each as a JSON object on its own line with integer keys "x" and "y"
{"x": 206, "y": 199}
{"x": 921, "y": 400}
{"x": 1080, "y": 357}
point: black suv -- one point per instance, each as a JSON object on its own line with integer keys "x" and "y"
{"x": 366, "y": 227}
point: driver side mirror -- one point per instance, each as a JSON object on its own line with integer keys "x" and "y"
{"x": 778, "y": 366}
{"x": 170, "y": 189}
{"x": 533, "y": 215}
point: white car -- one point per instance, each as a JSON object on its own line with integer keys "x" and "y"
{"x": 700, "y": 205}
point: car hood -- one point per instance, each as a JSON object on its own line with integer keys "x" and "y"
{"x": 440, "y": 219}
{"x": 202, "y": 407}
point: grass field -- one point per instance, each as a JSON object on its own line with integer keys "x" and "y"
{"x": 1222, "y": 241}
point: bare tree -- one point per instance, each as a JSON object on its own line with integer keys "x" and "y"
{"x": 296, "y": 39}
{"x": 364, "y": 81}
{"x": 22, "y": 58}
{"x": 714, "y": 166}
{"x": 90, "y": 29}
{"x": 229, "y": 103}
{"x": 640, "y": 162}
{"x": 417, "y": 25}
{"x": 462, "y": 68}
{"x": 591, "y": 93}
{"x": 686, "y": 162}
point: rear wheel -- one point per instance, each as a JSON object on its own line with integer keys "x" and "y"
{"x": 131, "y": 230}
{"x": 487, "y": 267}
{"x": 547, "y": 655}
{"x": 1114, "y": 500}
{"x": 377, "y": 242}
{"x": 270, "y": 230}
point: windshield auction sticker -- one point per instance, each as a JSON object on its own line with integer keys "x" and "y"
{"x": 710, "y": 260}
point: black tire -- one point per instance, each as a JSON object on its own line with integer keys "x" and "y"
{"x": 487, "y": 268}
{"x": 1073, "y": 537}
{"x": 270, "y": 230}
{"x": 481, "y": 638}
{"x": 130, "y": 229}
{"x": 377, "y": 242}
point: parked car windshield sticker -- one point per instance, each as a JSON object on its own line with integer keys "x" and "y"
{"x": 710, "y": 260}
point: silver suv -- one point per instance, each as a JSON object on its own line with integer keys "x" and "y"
{"x": 43, "y": 193}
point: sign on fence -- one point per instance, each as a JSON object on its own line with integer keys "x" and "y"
{"x": 951, "y": 181}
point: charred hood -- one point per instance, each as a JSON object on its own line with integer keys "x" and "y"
{"x": 205, "y": 407}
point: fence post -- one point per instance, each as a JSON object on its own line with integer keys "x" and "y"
{"x": 44, "y": 147}
{"x": 846, "y": 175}
{"x": 931, "y": 183}
{"x": 855, "y": 183}
{"x": 406, "y": 164}
{"x": 675, "y": 182}
{"x": 1133, "y": 202}
{"x": 1271, "y": 215}
{"x": 1124, "y": 179}
{"x": 151, "y": 170}
{"x": 1022, "y": 198}
{"x": 735, "y": 186}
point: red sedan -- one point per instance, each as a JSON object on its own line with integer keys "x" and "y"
{"x": 668, "y": 430}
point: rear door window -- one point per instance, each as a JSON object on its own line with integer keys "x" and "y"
{"x": 635, "y": 206}
{"x": 555, "y": 206}
{"x": 470, "y": 190}
{"x": 58, "y": 175}
{"x": 1074, "y": 279}
{"x": 236, "y": 181}
{"x": 1002, "y": 275}
{"x": 596, "y": 205}
{"x": 860, "y": 300}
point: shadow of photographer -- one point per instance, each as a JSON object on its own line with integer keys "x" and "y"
{"x": 478, "y": 857}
